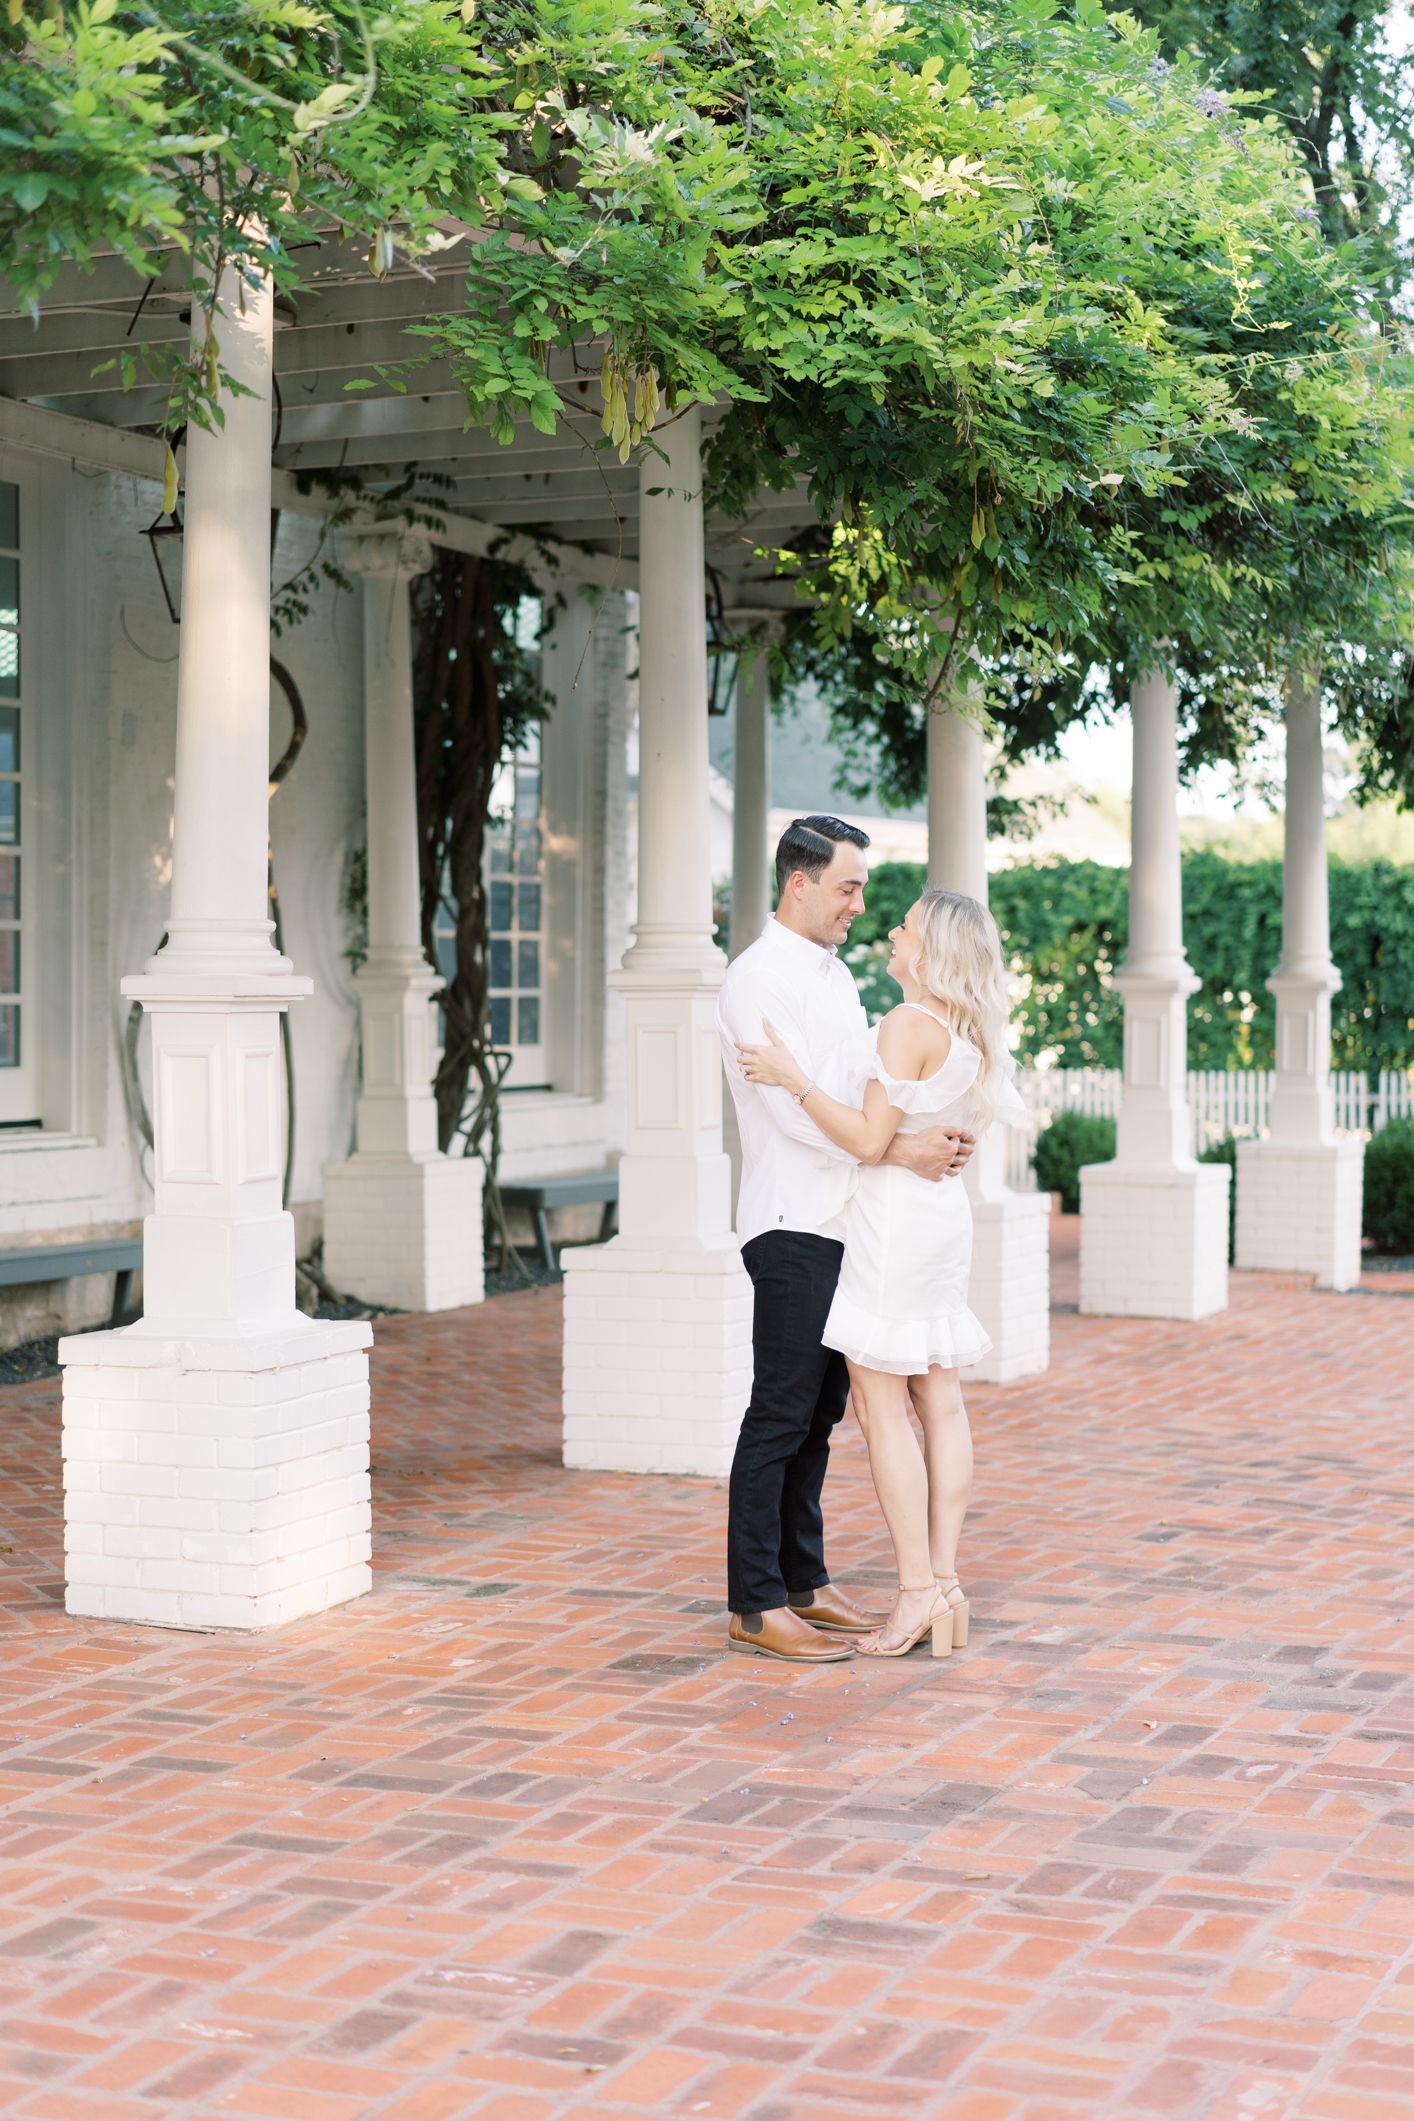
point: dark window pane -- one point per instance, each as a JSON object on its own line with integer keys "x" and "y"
{"x": 528, "y": 792}
{"x": 528, "y": 850}
{"x": 527, "y": 964}
{"x": 9, "y": 961}
{"x": 9, "y": 513}
{"x": 447, "y": 956}
{"x": 9, "y": 592}
{"x": 528, "y": 908}
{"x": 9, "y": 739}
{"x": 500, "y": 851}
{"x": 528, "y": 1033}
{"x": 500, "y": 908}
{"x": 9, "y": 812}
{"x": 9, "y": 887}
{"x": 9, "y": 664}
{"x": 501, "y": 963}
{"x": 10, "y": 1036}
{"x": 501, "y": 1020}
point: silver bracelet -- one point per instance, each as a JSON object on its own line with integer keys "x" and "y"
{"x": 799, "y": 1096}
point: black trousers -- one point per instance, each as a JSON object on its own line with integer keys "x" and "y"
{"x": 775, "y": 1533}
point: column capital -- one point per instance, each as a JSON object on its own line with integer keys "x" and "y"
{"x": 669, "y": 973}
{"x": 1294, "y": 982}
{"x": 394, "y": 548}
{"x": 1156, "y": 978}
{"x": 174, "y": 987}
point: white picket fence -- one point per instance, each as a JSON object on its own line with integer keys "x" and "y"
{"x": 1221, "y": 1101}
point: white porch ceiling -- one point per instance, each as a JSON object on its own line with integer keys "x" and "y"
{"x": 559, "y": 487}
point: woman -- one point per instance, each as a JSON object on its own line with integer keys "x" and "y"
{"x": 900, "y": 1315}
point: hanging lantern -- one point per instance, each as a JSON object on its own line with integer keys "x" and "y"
{"x": 165, "y": 537}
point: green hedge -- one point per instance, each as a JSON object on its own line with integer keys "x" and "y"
{"x": 1225, "y": 1152}
{"x": 1072, "y": 1139}
{"x": 1066, "y": 924}
{"x": 1389, "y": 1189}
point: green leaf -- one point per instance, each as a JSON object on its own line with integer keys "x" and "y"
{"x": 30, "y": 190}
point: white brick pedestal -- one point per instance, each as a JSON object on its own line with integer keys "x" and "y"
{"x": 1153, "y": 1244}
{"x": 1299, "y": 1208}
{"x": 402, "y": 1222}
{"x": 1300, "y": 1194}
{"x": 216, "y": 1453}
{"x": 1010, "y": 1287}
{"x": 657, "y": 1357}
{"x": 1154, "y": 1223}
{"x": 216, "y": 1484}
{"x": 657, "y": 1349}
{"x": 405, "y": 1230}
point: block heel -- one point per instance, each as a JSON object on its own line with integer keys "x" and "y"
{"x": 961, "y": 1610}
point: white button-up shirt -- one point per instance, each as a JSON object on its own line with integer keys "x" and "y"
{"x": 792, "y": 1177}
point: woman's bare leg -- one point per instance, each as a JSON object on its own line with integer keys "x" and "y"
{"x": 947, "y": 1452}
{"x": 901, "y": 1484}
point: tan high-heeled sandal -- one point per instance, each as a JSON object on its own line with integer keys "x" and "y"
{"x": 939, "y": 1624}
{"x": 961, "y": 1610}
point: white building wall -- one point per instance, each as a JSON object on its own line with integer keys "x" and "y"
{"x": 103, "y": 756}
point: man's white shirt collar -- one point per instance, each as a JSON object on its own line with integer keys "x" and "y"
{"x": 815, "y": 957}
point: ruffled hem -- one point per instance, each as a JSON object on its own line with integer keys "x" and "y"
{"x": 904, "y": 1347}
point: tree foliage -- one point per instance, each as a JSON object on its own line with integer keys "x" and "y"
{"x": 1000, "y": 287}
{"x": 1065, "y": 927}
{"x": 1045, "y": 323}
{"x": 1331, "y": 73}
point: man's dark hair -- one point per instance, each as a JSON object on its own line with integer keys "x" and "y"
{"x": 808, "y": 844}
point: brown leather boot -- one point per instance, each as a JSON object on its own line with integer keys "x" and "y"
{"x": 782, "y": 1634}
{"x": 829, "y": 1608}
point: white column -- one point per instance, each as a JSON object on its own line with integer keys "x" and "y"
{"x": 657, "y": 1364}
{"x": 957, "y": 805}
{"x": 1153, "y": 1235}
{"x": 216, "y": 1453}
{"x": 1010, "y": 1288}
{"x": 751, "y": 805}
{"x": 402, "y": 1222}
{"x": 1299, "y": 1193}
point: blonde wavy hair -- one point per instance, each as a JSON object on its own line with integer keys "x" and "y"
{"x": 960, "y": 965}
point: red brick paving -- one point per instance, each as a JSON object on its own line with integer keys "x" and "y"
{"x": 1142, "y": 1853}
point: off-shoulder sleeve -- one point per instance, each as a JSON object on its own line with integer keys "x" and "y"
{"x": 858, "y": 1058}
{"x": 937, "y": 1091}
{"x": 1011, "y": 1108}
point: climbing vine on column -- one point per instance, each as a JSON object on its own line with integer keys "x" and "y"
{"x": 475, "y": 691}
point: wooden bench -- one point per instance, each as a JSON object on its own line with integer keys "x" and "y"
{"x": 539, "y": 1195}
{"x": 118, "y": 1256}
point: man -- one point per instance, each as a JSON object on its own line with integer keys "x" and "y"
{"x": 794, "y": 1188}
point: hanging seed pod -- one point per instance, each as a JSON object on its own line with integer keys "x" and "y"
{"x": 609, "y": 389}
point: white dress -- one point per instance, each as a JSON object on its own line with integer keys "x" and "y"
{"x": 901, "y": 1303}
